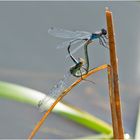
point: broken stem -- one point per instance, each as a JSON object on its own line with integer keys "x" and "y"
{"x": 38, "y": 125}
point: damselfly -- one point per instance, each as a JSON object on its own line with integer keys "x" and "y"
{"x": 79, "y": 65}
{"x": 60, "y": 86}
{"x": 75, "y": 70}
{"x": 85, "y": 38}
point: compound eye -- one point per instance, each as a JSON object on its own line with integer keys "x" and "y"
{"x": 104, "y": 32}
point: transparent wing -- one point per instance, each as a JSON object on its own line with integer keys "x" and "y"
{"x": 54, "y": 93}
{"x": 62, "y": 33}
{"x": 66, "y": 43}
{"x": 77, "y": 48}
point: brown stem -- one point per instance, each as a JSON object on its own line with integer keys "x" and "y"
{"x": 112, "y": 102}
{"x": 38, "y": 125}
{"x": 111, "y": 95}
{"x": 114, "y": 65}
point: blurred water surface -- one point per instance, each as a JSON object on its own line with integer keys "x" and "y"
{"x": 28, "y": 57}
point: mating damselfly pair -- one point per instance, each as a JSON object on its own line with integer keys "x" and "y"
{"x": 81, "y": 66}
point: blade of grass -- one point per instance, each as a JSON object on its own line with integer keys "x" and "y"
{"x": 20, "y": 93}
{"x": 89, "y": 121}
{"x": 32, "y": 97}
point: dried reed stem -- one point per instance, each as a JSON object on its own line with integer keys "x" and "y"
{"x": 112, "y": 103}
{"x": 38, "y": 125}
{"x": 114, "y": 65}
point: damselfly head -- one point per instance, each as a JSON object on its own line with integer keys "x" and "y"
{"x": 104, "y": 32}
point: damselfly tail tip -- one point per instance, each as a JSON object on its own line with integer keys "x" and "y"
{"x": 50, "y": 29}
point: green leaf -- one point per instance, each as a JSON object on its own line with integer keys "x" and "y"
{"x": 32, "y": 97}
